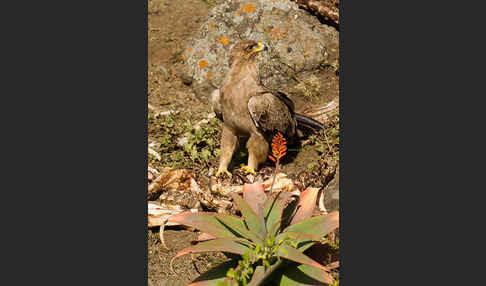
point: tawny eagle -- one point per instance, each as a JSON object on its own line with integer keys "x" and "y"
{"x": 248, "y": 109}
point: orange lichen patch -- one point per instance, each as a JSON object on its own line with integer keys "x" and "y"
{"x": 189, "y": 49}
{"x": 277, "y": 34}
{"x": 209, "y": 75}
{"x": 211, "y": 26}
{"x": 203, "y": 64}
{"x": 248, "y": 8}
{"x": 307, "y": 55}
{"x": 225, "y": 41}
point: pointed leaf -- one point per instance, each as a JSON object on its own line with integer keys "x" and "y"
{"x": 205, "y": 222}
{"x": 214, "y": 275}
{"x": 268, "y": 274}
{"x": 262, "y": 220}
{"x": 288, "y": 213}
{"x": 273, "y": 210}
{"x": 251, "y": 218}
{"x": 236, "y": 246}
{"x": 254, "y": 195}
{"x": 316, "y": 226}
{"x": 237, "y": 225}
{"x": 257, "y": 277}
{"x": 298, "y": 236}
{"x": 233, "y": 223}
{"x": 298, "y": 275}
{"x": 293, "y": 254}
{"x": 306, "y": 205}
{"x": 205, "y": 236}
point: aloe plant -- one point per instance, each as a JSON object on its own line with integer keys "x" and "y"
{"x": 268, "y": 240}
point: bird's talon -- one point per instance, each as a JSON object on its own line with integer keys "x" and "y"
{"x": 248, "y": 170}
{"x": 219, "y": 173}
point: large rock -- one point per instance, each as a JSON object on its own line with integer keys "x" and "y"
{"x": 331, "y": 194}
{"x": 298, "y": 42}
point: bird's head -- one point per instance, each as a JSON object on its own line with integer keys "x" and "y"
{"x": 246, "y": 50}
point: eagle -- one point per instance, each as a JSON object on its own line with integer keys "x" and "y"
{"x": 248, "y": 109}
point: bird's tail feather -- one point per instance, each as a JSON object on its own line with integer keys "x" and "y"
{"x": 308, "y": 122}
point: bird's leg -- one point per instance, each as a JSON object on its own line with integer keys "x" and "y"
{"x": 257, "y": 150}
{"x": 228, "y": 145}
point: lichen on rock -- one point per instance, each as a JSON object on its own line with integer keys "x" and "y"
{"x": 298, "y": 43}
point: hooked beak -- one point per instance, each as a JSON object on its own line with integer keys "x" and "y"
{"x": 264, "y": 47}
{"x": 261, "y": 47}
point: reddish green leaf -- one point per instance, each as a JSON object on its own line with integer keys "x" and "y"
{"x": 268, "y": 273}
{"x": 273, "y": 210}
{"x": 214, "y": 275}
{"x": 236, "y": 246}
{"x": 257, "y": 277}
{"x": 288, "y": 213}
{"x": 297, "y": 236}
{"x": 205, "y": 236}
{"x": 306, "y": 205}
{"x": 294, "y": 254}
{"x": 254, "y": 195}
{"x": 203, "y": 221}
{"x": 316, "y": 226}
{"x": 298, "y": 275}
{"x": 253, "y": 221}
{"x": 237, "y": 225}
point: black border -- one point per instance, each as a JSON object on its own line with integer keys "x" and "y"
{"x": 78, "y": 184}
{"x": 78, "y": 155}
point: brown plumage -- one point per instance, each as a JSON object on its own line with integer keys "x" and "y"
{"x": 250, "y": 110}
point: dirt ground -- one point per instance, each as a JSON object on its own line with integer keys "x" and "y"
{"x": 170, "y": 25}
{"x": 186, "y": 268}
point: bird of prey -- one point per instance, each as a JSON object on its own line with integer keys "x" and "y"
{"x": 248, "y": 109}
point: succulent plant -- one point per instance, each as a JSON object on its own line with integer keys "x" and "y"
{"x": 267, "y": 242}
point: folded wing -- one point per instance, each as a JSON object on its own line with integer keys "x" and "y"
{"x": 272, "y": 112}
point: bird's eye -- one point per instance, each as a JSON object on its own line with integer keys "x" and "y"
{"x": 251, "y": 47}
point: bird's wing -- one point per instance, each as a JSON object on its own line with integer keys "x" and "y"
{"x": 216, "y": 103}
{"x": 283, "y": 97}
{"x": 271, "y": 112}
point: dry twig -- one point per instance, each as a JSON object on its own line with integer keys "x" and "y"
{"x": 320, "y": 8}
